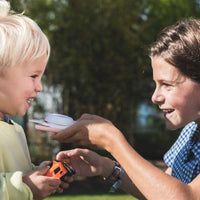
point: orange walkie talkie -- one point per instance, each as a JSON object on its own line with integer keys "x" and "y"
{"x": 60, "y": 169}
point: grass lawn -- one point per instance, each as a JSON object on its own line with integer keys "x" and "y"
{"x": 92, "y": 197}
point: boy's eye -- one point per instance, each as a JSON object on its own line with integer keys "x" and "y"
{"x": 34, "y": 76}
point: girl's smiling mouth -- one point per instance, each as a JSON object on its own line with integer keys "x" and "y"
{"x": 167, "y": 112}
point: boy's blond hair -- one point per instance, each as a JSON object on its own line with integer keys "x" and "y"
{"x": 21, "y": 39}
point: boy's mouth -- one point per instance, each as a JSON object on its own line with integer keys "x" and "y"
{"x": 29, "y": 100}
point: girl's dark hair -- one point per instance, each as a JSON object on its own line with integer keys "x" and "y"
{"x": 179, "y": 45}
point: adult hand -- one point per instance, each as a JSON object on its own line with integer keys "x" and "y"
{"x": 89, "y": 130}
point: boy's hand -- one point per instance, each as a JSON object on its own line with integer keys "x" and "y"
{"x": 65, "y": 183}
{"x": 42, "y": 186}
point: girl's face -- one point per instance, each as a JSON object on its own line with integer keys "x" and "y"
{"x": 19, "y": 86}
{"x": 176, "y": 95}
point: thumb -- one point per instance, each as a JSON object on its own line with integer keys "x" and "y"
{"x": 43, "y": 170}
{"x": 62, "y": 155}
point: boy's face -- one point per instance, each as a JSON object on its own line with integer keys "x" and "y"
{"x": 19, "y": 86}
{"x": 177, "y": 95}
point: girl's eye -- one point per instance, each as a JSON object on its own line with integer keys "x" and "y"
{"x": 166, "y": 84}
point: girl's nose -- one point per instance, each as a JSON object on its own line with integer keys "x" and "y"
{"x": 157, "y": 97}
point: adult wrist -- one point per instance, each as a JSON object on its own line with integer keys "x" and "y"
{"x": 113, "y": 138}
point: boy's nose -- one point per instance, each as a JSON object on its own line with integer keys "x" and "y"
{"x": 39, "y": 87}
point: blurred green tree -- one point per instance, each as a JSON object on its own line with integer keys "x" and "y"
{"x": 100, "y": 51}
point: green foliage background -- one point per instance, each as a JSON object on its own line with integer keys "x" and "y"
{"x": 100, "y": 53}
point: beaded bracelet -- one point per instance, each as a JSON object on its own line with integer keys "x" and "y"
{"x": 116, "y": 177}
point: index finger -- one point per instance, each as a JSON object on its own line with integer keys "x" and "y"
{"x": 64, "y": 134}
{"x": 46, "y": 128}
